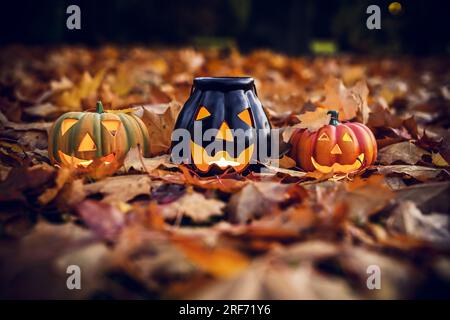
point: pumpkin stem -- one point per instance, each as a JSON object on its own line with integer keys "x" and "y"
{"x": 99, "y": 108}
{"x": 334, "y": 121}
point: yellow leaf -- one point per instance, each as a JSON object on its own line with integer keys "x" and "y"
{"x": 86, "y": 87}
{"x": 123, "y": 80}
{"x": 438, "y": 160}
{"x": 218, "y": 261}
{"x": 12, "y": 147}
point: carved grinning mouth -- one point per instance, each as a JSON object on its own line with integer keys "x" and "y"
{"x": 83, "y": 163}
{"x": 222, "y": 159}
{"x": 341, "y": 168}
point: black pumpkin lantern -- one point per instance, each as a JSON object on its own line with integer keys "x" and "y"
{"x": 228, "y": 105}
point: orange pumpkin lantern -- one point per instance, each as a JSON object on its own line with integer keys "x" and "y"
{"x": 336, "y": 147}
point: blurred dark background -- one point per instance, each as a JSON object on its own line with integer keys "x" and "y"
{"x": 290, "y": 26}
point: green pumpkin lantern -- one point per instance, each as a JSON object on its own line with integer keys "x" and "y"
{"x": 95, "y": 140}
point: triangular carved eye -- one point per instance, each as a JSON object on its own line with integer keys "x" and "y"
{"x": 87, "y": 144}
{"x": 324, "y": 137}
{"x": 202, "y": 113}
{"x": 347, "y": 138}
{"x": 67, "y": 124}
{"x": 246, "y": 117}
{"x": 112, "y": 126}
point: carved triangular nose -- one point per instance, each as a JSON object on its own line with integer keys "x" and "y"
{"x": 336, "y": 149}
{"x": 225, "y": 132}
{"x": 87, "y": 144}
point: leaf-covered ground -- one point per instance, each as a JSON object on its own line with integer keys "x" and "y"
{"x": 156, "y": 230}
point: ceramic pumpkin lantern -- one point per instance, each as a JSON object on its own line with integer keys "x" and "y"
{"x": 227, "y": 105}
{"x": 336, "y": 147}
{"x": 95, "y": 140}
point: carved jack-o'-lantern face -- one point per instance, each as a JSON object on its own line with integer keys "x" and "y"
{"x": 340, "y": 148}
{"x": 231, "y": 108}
{"x": 238, "y": 160}
{"x": 88, "y": 140}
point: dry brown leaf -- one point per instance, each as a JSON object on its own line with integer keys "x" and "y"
{"x": 71, "y": 195}
{"x": 135, "y": 160}
{"x": 347, "y": 101}
{"x": 160, "y": 122}
{"x": 38, "y": 126}
{"x": 360, "y": 93}
{"x": 151, "y": 258}
{"x": 36, "y": 265}
{"x": 120, "y": 188}
{"x": 397, "y": 277}
{"x": 429, "y": 197}
{"x": 63, "y": 84}
{"x": 285, "y": 274}
{"x": 383, "y": 117}
{"x": 406, "y": 152}
{"x": 291, "y": 222}
{"x": 195, "y": 206}
{"x": 259, "y": 198}
{"x": 21, "y": 180}
{"x": 366, "y": 197}
{"x": 418, "y": 172}
{"x": 43, "y": 110}
{"x": 4, "y": 171}
{"x": 287, "y": 162}
{"x": 290, "y": 172}
{"x": 355, "y": 260}
{"x": 393, "y": 89}
{"x": 434, "y": 227}
{"x": 311, "y": 120}
{"x": 229, "y": 185}
{"x": 64, "y": 176}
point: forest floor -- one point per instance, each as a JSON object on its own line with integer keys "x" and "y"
{"x": 157, "y": 230}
